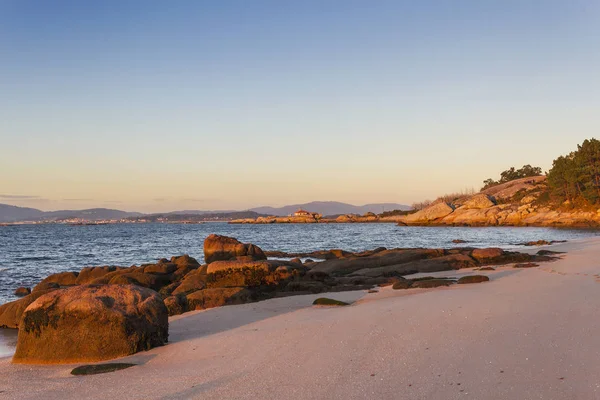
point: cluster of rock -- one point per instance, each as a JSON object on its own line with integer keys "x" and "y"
{"x": 106, "y": 312}
{"x": 345, "y": 218}
{"x": 513, "y": 204}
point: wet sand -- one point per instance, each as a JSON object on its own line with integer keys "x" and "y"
{"x": 526, "y": 334}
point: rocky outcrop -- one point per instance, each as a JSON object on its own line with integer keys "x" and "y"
{"x": 479, "y": 201}
{"x": 91, "y": 323}
{"x": 223, "y": 248}
{"x": 513, "y": 203}
{"x": 432, "y": 213}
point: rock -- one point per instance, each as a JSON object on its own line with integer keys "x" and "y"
{"x": 88, "y": 274}
{"x": 431, "y": 213}
{"x": 10, "y": 313}
{"x": 160, "y": 269}
{"x": 486, "y": 269}
{"x": 63, "y": 278}
{"x": 542, "y": 243}
{"x": 401, "y": 284}
{"x": 22, "y": 291}
{"x": 184, "y": 260}
{"x": 193, "y": 281}
{"x": 306, "y": 286}
{"x": 479, "y": 201}
{"x": 209, "y": 298}
{"x": 254, "y": 273}
{"x": 549, "y": 252}
{"x": 526, "y": 265}
{"x": 154, "y": 282}
{"x": 100, "y": 368}
{"x": 223, "y": 248}
{"x": 176, "y": 304}
{"x": 324, "y": 301}
{"x": 487, "y": 254}
{"x": 91, "y": 323}
{"x": 217, "y": 266}
{"x": 473, "y": 279}
{"x": 296, "y": 260}
{"x": 431, "y": 283}
{"x": 384, "y": 258}
{"x": 443, "y": 263}
{"x": 457, "y": 241}
{"x": 45, "y": 286}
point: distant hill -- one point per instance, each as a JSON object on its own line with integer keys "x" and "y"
{"x": 331, "y": 208}
{"x": 10, "y": 213}
{"x": 197, "y": 217}
{"x": 13, "y": 213}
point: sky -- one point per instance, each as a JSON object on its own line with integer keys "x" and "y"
{"x": 157, "y": 106}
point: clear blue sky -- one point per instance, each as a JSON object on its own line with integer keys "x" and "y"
{"x": 155, "y": 106}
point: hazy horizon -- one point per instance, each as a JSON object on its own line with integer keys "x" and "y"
{"x": 154, "y": 107}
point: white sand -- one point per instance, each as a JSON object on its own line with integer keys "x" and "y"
{"x": 527, "y": 334}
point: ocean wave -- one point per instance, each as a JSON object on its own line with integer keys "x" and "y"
{"x": 40, "y": 258}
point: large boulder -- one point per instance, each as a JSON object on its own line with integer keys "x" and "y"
{"x": 431, "y": 213}
{"x": 223, "y": 248}
{"x": 10, "y": 313}
{"x": 91, "y": 323}
{"x": 480, "y": 201}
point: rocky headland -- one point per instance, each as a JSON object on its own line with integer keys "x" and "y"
{"x": 521, "y": 202}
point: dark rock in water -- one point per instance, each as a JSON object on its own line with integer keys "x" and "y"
{"x": 22, "y": 291}
{"x": 91, "y": 323}
{"x": 459, "y": 241}
{"x": 485, "y": 269}
{"x": 100, "y": 368}
{"x": 473, "y": 279}
{"x": 526, "y": 265}
{"x": 431, "y": 283}
{"x": 373, "y": 291}
{"x": 10, "y": 313}
{"x": 296, "y": 260}
{"x": 223, "y": 248}
{"x": 324, "y": 301}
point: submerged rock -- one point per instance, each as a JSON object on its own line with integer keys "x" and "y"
{"x": 22, "y": 291}
{"x": 91, "y": 323}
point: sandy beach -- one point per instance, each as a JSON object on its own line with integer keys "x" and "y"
{"x": 526, "y": 334}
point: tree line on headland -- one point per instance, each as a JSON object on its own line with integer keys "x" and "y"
{"x": 574, "y": 179}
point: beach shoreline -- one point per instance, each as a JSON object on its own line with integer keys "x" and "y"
{"x": 526, "y": 334}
